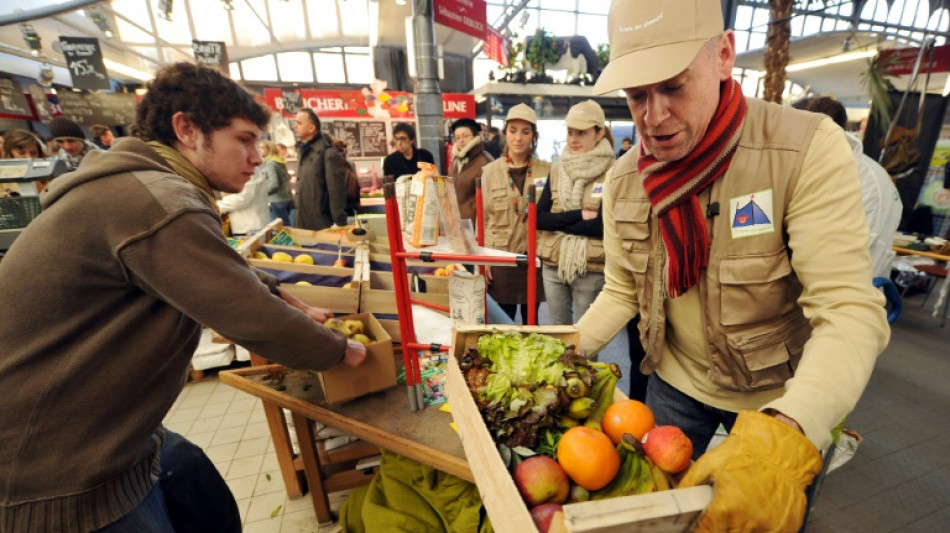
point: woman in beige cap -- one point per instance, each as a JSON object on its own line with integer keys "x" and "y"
{"x": 570, "y": 243}
{"x": 504, "y": 193}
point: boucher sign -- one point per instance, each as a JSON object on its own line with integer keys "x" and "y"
{"x": 355, "y": 104}
{"x": 467, "y": 16}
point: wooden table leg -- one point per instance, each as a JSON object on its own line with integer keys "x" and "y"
{"x": 282, "y": 445}
{"x": 311, "y": 466}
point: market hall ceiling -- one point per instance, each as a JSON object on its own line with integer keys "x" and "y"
{"x": 144, "y": 39}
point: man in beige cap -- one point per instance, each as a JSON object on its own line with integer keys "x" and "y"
{"x": 738, "y": 236}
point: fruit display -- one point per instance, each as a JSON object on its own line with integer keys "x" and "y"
{"x": 303, "y": 259}
{"x": 552, "y": 415}
{"x": 282, "y": 257}
{"x": 353, "y": 329}
{"x": 444, "y": 272}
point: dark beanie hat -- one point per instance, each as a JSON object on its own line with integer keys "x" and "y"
{"x": 62, "y": 127}
{"x": 467, "y": 123}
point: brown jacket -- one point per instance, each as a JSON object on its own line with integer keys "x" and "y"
{"x": 104, "y": 294}
{"x": 465, "y": 180}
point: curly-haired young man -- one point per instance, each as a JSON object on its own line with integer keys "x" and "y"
{"x": 106, "y": 292}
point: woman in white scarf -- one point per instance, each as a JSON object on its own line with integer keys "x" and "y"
{"x": 571, "y": 227}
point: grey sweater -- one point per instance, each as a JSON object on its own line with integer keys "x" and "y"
{"x": 103, "y": 295}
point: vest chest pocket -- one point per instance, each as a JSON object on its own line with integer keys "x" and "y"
{"x": 769, "y": 357}
{"x": 755, "y": 288}
{"x": 636, "y": 262}
{"x": 632, "y": 219}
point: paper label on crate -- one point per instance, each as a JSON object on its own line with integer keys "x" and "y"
{"x": 284, "y": 239}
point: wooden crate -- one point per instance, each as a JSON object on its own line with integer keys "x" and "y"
{"x": 668, "y": 512}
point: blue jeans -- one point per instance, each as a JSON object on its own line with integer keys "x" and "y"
{"x": 283, "y": 211}
{"x": 190, "y": 496}
{"x": 697, "y": 420}
{"x": 567, "y": 302}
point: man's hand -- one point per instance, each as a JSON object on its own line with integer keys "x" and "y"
{"x": 759, "y": 475}
{"x": 318, "y": 314}
{"x": 488, "y": 278}
{"x": 588, "y": 214}
{"x": 355, "y": 353}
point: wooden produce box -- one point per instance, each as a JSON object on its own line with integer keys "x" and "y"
{"x": 377, "y": 372}
{"x": 667, "y": 512}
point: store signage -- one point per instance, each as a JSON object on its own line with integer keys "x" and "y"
{"x": 212, "y": 54}
{"x": 357, "y": 104}
{"x": 13, "y": 102}
{"x": 110, "y": 109}
{"x": 901, "y": 61}
{"x": 466, "y": 16}
{"x": 84, "y": 61}
{"x": 496, "y": 46}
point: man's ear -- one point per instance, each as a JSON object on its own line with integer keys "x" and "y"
{"x": 185, "y": 130}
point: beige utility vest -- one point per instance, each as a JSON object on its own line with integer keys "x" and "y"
{"x": 755, "y": 328}
{"x": 549, "y": 242}
{"x": 505, "y": 229}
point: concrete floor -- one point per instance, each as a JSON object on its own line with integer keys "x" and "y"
{"x": 899, "y": 480}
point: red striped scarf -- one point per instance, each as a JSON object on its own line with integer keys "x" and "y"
{"x": 673, "y": 186}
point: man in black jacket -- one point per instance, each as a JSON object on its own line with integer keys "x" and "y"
{"x": 407, "y": 156}
{"x": 321, "y": 177}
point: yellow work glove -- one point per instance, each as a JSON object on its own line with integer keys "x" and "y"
{"x": 759, "y": 475}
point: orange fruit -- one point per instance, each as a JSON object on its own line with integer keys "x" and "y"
{"x": 627, "y": 416}
{"x": 588, "y": 457}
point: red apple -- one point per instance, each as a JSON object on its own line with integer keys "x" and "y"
{"x": 543, "y": 515}
{"x": 669, "y": 448}
{"x": 541, "y": 480}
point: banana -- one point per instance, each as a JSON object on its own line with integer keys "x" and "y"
{"x": 581, "y": 408}
{"x": 576, "y": 388}
{"x": 567, "y": 422}
{"x": 602, "y": 391}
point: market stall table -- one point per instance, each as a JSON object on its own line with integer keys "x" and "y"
{"x": 944, "y": 298}
{"x": 382, "y": 418}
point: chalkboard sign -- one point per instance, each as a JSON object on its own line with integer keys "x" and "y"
{"x": 373, "y": 138}
{"x": 12, "y": 99}
{"x": 212, "y": 54}
{"x": 347, "y": 131}
{"x": 109, "y": 109}
{"x": 40, "y": 103}
{"x": 293, "y": 102}
{"x": 84, "y": 60}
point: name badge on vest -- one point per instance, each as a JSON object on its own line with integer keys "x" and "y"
{"x": 597, "y": 191}
{"x": 751, "y": 214}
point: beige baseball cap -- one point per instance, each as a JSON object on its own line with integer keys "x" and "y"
{"x": 522, "y": 112}
{"x": 654, "y": 40}
{"x": 585, "y": 115}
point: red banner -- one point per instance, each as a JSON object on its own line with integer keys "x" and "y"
{"x": 904, "y": 60}
{"x": 466, "y": 16}
{"x": 363, "y": 104}
{"x": 496, "y": 46}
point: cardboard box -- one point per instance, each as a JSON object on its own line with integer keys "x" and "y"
{"x": 377, "y": 372}
{"x": 669, "y": 511}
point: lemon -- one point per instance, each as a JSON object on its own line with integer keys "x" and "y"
{"x": 307, "y": 283}
{"x": 260, "y": 255}
{"x": 303, "y": 259}
{"x": 283, "y": 257}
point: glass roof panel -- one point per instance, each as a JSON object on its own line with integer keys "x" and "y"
{"x": 129, "y": 33}
{"x": 355, "y": 17}
{"x": 211, "y": 21}
{"x": 329, "y": 68}
{"x": 260, "y": 68}
{"x": 176, "y": 31}
{"x": 359, "y": 69}
{"x": 295, "y": 66}
{"x": 132, "y": 10}
{"x": 235, "y": 71}
{"x": 287, "y": 20}
{"x": 250, "y": 23}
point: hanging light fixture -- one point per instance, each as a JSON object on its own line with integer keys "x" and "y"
{"x": 99, "y": 18}
{"x": 165, "y": 9}
{"x": 32, "y": 39}
{"x": 227, "y": 5}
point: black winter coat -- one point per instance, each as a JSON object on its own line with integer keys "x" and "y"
{"x": 321, "y": 185}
